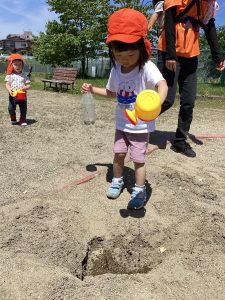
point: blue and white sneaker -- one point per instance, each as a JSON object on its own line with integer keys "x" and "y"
{"x": 138, "y": 198}
{"x": 115, "y": 189}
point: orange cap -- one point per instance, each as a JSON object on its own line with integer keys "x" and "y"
{"x": 128, "y": 25}
{"x": 11, "y": 58}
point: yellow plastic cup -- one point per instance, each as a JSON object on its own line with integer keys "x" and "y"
{"x": 20, "y": 94}
{"x": 147, "y": 107}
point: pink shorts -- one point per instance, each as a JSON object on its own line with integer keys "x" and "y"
{"x": 137, "y": 142}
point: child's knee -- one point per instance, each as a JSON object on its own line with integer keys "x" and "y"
{"x": 120, "y": 156}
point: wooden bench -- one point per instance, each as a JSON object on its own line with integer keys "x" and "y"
{"x": 62, "y": 77}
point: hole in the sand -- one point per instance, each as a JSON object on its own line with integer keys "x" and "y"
{"x": 121, "y": 255}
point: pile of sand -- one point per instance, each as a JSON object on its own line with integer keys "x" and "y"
{"x": 64, "y": 240}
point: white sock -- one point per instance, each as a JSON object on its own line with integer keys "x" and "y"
{"x": 139, "y": 188}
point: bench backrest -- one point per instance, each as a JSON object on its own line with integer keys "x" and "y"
{"x": 63, "y": 73}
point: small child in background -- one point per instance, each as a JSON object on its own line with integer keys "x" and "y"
{"x": 157, "y": 16}
{"x": 132, "y": 72}
{"x": 15, "y": 79}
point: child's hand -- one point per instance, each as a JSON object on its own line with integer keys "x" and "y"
{"x": 25, "y": 87}
{"x": 86, "y": 87}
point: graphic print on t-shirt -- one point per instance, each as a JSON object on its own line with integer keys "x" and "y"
{"x": 125, "y": 93}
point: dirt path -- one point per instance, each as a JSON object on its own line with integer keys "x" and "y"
{"x": 63, "y": 239}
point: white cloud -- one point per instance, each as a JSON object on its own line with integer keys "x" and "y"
{"x": 17, "y": 16}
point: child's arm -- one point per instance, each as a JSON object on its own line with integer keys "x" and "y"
{"x": 158, "y": 11}
{"x": 162, "y": 89}
{"x": 154, "y": 17}
{"x": 26, "y": 87}
{"x": 87, "y": 87}
{"x": 8, "y": 87}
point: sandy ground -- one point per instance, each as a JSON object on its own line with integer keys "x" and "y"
{"x": 63, "y": 240}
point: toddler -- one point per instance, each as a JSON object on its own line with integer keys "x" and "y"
{"x": 16, "y": 80}
{"x": 132, "y": 72}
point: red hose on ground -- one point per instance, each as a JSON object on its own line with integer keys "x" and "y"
{"x": 79, "y": 181}
{"x": 151, "y": 149}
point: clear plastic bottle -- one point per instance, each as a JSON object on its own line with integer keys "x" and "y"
{"x": 88, "y": 107}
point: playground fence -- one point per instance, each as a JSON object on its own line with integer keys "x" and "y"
{"x": 100, "y": 67}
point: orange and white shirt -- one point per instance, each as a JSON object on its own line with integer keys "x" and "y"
{"x": 186, "y": 41}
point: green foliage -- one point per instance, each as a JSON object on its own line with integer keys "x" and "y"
{"x": 210, "y": 89}
{"x": 210, "y": 68}
{"x": 53, "y": 51}
{"x": 144, "y": 6}
{"x": 221, "y": 38}
{"x": 203, "y": 89}
{"x": 80, "y": 31}
{"x": 77, "y": 33}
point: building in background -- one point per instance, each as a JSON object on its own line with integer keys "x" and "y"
{"x": 17, "y": 43}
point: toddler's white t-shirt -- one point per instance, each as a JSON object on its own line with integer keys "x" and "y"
{"x": 17, "y": 80}
{"x": 127, "y": 86}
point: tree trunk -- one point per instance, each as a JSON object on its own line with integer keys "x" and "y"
{"x": 83, "y": 66}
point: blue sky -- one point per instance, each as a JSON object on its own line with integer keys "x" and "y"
{"x": 17, "y": 16}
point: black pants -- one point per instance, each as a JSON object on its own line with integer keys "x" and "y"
{"x": 186, "y": 77}
{"x": 22, "y": 105}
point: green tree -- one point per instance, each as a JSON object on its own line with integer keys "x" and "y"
{"x": 80, "y": 31}
{"x": 206, "y": 58}
{"x": 77, "y": 33}
{"x": 221, "y": 36}
{"x": 144, "y": 6}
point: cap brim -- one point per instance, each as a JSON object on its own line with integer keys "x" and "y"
{"x": 125, "y": 38}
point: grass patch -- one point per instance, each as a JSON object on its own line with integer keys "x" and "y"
{"x": 206, "y": 103}
{"x": 203, "y": 89}
{"x": 210, "y": 89}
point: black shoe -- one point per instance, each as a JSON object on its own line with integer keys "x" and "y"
{"x": 183, "y": 148}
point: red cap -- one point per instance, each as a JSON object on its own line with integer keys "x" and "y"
{"x": 11, "y": 58}
{"x": 128, "y": 25}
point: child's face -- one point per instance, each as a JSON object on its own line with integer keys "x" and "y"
{"x": 128, "y": 59}
{"x": 17, "y": 66}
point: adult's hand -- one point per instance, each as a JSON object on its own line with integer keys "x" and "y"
{"x": 221, "y": 66}
{"x": 171, "y": 65}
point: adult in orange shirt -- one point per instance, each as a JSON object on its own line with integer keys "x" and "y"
{"x": 178, "y": 47}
